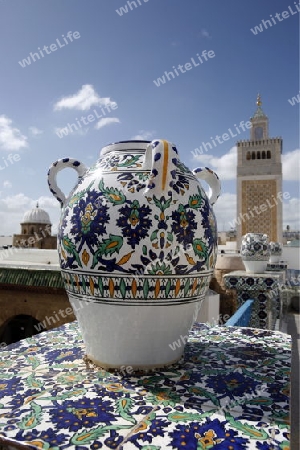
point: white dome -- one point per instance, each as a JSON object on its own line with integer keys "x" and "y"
{"x": 36, "y": 215}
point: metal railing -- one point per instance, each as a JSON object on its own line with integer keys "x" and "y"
{"x": 241, "y": 318}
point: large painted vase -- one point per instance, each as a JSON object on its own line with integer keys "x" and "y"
{"x": 137, "y": 244}
{"x": 255, "y": 252}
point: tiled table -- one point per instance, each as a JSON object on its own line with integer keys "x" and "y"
{"x": 230, "y": 391}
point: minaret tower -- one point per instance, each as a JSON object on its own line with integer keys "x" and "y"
{"x": 259, "y": 181}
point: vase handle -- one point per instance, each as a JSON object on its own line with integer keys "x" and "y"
{"x": 161, "y": 157}
{"x": 56, "y": 167}
{"x": 212, "y": 179}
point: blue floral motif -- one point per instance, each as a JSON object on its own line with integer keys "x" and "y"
{"x": 84, "y": 413}
{"x": 184, "y": 225}
{"x": 181, "y": 184}
{"x": 50, "y": 436}
{"x": 134, "y": 222}
{"x": 211, "y": 434}
{"x": 146, "y": 435}
{"x": 61, "y": 355}
{"x": 233, "y": 385}
{"x": 9, "y": 387}
{"x": 208, "y": 222}
{"x": 89, "y": 219}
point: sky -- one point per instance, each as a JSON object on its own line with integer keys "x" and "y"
{"x": 94, "y": 58}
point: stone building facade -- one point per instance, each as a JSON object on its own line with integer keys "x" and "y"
{"x": 259, "y": 181}
{"x": 31, "y": 301}
{"x": 35, "y": 231}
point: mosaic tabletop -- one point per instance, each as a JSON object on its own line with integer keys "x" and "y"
{"x": 229, "y": 391}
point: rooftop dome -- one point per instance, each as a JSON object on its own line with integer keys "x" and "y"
{"x": 36, "y": 215}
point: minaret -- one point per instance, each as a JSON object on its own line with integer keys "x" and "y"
{"x": 259, "y": 181}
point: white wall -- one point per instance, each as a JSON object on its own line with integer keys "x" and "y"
{"x": 292, "y": 256}
{"x": 210, "y": 309}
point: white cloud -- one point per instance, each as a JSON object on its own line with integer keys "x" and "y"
{"x": 291, "y": 165}
{"x": 83, "y": 100}
{"x": 11, "y": 138}
{"x": 144, "y": 136}
{"x": 106, "y": 121}
{"x": 15, "y": 206}
{"x": 225, "y": 166}
{"x": 7, "y": 184}
{"x": 225, "y": 210}
{"x": 205, "y": 34}
{"x": 35, "y": 131}
{"x": 291, "y": 213}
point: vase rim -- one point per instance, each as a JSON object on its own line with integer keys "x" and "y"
{"x": 132, "y": 144}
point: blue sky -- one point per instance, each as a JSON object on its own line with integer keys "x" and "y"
{"x": 114, "y": 61}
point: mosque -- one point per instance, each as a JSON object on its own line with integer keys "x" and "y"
{"x": 35, "y": 231}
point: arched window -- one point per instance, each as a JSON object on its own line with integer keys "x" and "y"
{"x": 258, "y": 155}
{"x": 268, "y": 154}
{"x": 19, "y": 327}
{"x": 263, "y": 155}
{"x": 32, "y": 230}
{"x": 253, "y": 155}
{"x": 25, "y": 231}
{"x": 248, "y": 156}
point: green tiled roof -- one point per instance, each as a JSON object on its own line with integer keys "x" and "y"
{"x": 31, "y": 277}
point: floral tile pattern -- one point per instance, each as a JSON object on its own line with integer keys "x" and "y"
{"x": 230, "y": 390}
{"x": 264, "y": 290}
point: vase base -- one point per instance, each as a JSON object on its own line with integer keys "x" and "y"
{"x": 127, "y": 368}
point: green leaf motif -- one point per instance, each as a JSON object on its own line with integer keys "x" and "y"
{"x": 123, "y": 408}
{"x": 146, "y": 288}
{"x": 112, "y": 195}
{"x": 168, "y": 287}
{"x": 75, "y": 393}
{"x": 187, "y": 287}
{"x": 195, "y": 201}
{"x": 150, "y": 447}
{"x": 78, "y": 196}
{"x": 200, "y": 248}
{"x": 123, "y": 288}
{"x": 203, "y": 393}
{"x": 34, "y": 361}
{"x": 108, "y": 247}
{"x": 111, "y": 245}
{"x": 129, "y": 162}
{"x": 187, "y": 417}
{"x": 100, "y": 285}
{"x": 32, "y": 419}
{"x": 162, "y": 204}
{"x": 87, "y": 436}
{"x": 250, "y": 430}
{"x": 153, "y": 235}
{"x": 170, "y": 236}
{"x": 71, "y": 249}
{"x": 33, "y": 383}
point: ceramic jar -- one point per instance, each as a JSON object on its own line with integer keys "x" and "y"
{"x": 276, "y": 252}
{"x": 255, "y": 252}
{"x": 137, "y": 244}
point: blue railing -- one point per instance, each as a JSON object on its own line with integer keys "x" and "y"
{"x": 241, "y": 318}
{"x": 293, "y": 277}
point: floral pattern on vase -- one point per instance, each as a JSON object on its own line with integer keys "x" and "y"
{"x": 276, "y": 251}
{"x": 255, "y": 252}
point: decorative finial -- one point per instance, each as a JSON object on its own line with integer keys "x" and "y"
{"x": 258, "y": 100}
